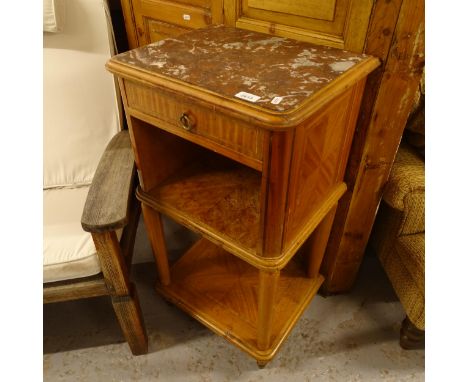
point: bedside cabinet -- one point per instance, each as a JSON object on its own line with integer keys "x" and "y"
{"x": 242, "y": 137}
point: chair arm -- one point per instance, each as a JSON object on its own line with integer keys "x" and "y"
{"x": 405, "y": 191}
{"x": 108, "y": 202}
{"x": 406, "y": 179}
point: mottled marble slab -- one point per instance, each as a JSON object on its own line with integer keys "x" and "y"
{"x": 227, "y": 61}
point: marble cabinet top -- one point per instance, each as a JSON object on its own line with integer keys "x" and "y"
{"x": 271, "y": 72}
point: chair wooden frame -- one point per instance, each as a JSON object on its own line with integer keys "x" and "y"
{"x": 111, "y": 205}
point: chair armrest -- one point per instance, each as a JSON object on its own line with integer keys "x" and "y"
{"x": 406, "y": 179}
{"x": 108, "y": 201}
{"x": 405, "y": 191}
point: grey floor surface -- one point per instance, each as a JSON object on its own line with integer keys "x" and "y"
{"x": 352, "y": 337}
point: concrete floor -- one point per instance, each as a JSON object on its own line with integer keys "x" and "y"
{"x": 352, "y": 337}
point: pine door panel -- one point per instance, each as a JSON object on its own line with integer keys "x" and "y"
{"x": 337, "y": 23}
{"x": 315, "y": 9}
{"x": 153, "y": 20}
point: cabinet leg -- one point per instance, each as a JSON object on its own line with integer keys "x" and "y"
{"x": 261, "y": 364}
{"x": 266, "y": 302}
{"x": 317, "y": 243}
{"x": 158, "y": 242}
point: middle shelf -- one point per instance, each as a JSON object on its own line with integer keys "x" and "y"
{"x": 217, "y": 197}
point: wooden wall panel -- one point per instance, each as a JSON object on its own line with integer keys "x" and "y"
{"x": 315, "y": 9}
{"x": 337, "y": 23}
{"x": 398, "y": 24}
{"x": 148, "y": 21}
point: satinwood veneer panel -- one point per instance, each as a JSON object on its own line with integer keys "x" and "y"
{"x": 320, "y": 154}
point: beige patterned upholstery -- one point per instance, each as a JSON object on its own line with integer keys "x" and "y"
{"x": 405, "y": 190}
{"x": 398, "y": 234}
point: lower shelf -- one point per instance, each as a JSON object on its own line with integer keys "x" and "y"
{"x": 220, "y": 290}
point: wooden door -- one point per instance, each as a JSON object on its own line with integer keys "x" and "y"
{"x": 338, "y": 23}
{"x": 148, "y": 21}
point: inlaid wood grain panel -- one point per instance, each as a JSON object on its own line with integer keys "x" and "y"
{"x": 319, "y": 158}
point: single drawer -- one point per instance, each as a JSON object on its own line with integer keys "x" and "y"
{"x": 206, "y": 127}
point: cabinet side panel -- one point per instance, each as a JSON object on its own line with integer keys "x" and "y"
{"x": 319, "y": 157}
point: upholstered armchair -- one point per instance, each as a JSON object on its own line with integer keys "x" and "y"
{"x": 90, "y": 212}
{"x": 398, "y": 235}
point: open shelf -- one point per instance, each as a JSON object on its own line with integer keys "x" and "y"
{"x": 217, "y": 197}
{"x": 220, "y": 291}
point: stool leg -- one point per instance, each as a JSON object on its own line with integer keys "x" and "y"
{"x": 155, "y": 232}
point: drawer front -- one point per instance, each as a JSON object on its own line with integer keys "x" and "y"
{"x": 207, "y": 127}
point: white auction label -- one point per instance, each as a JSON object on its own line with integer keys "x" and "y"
{"x": 276, "y": 100}
{"x": 186, "y": 17}
{"x": 248, "y": 96}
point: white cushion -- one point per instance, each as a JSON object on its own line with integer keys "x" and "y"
{"x": 81, "y": 112}
{"x": 69, "y": 252}
{"x": 53, "y": 15}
